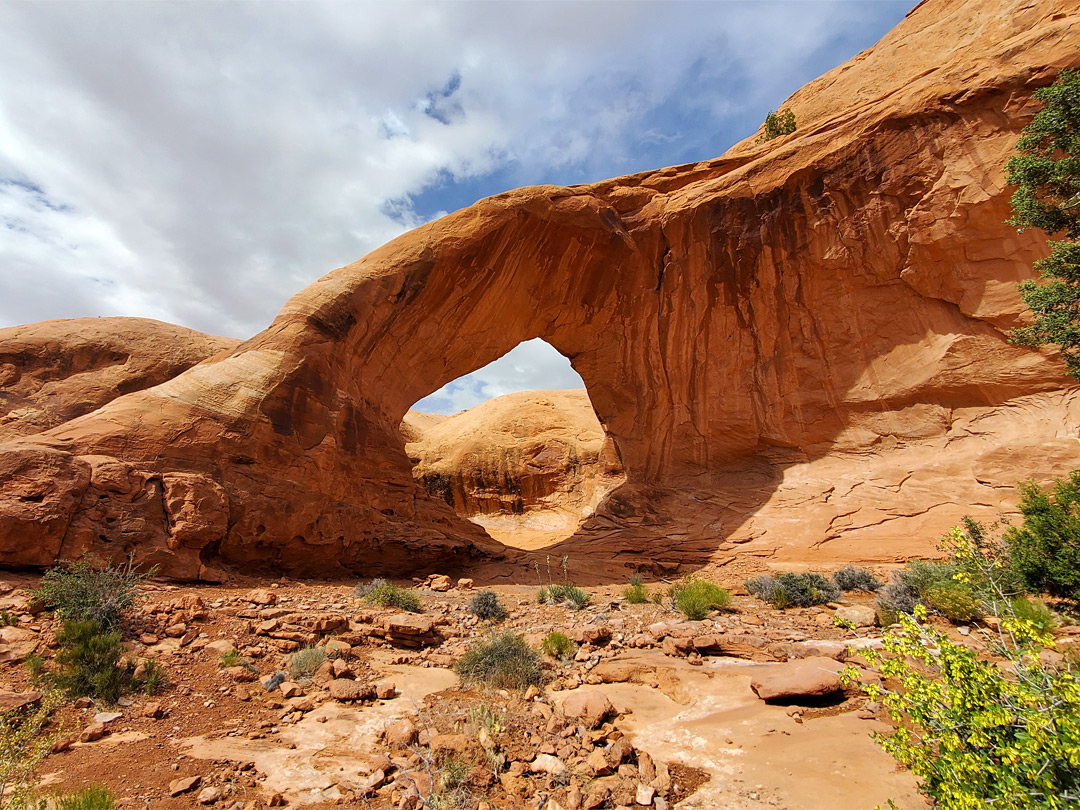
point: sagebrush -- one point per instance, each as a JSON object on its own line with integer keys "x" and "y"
{"x": 386, "y": 594}
{"x": 695, "y": 598}
{"x": 486, "y": 605}
{"x": 503, "y": 661}
{"x": 84, "y": 592}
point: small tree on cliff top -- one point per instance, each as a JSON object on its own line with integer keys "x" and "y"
{"x": 1046, "y": 173}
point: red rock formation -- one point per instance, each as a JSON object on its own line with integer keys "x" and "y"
{"x": 820, "y": 298}
{"x": 527, "y": 467}
{"x": 53, "y": 371}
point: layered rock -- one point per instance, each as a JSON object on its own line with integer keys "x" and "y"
{"x": 826, "y": 298}
{"x": 54, "y": 371}
{"x": 527, "y": 467}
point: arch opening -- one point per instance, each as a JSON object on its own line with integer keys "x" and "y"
{"x": 515, "y": 447}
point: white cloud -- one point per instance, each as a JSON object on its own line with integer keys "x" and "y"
{"x": 201, "y": 162}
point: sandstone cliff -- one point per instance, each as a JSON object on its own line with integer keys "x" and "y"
{"x": 527, "y": 467}
{"x": 799, "y": 310}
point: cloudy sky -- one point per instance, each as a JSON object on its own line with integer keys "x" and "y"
{"x": 200, "y": 162}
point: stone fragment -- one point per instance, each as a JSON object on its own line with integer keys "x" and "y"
{"x": 348, "y": 689}
{"x": 441, "y": 583}
{"x": 92, "y": 733}
{"x": 10, "y": 701}
{"x": 262, "y": 596}
{"x": 858, "y": 615}
{"x": 546, "y": 763}
{"x": 220, "y": 647}
{"x": 802, "y": 679}
{"x": 385, "y": 690}
{"x": 465, "y": 584}
{"x": 403, "y": 732}
{"x": 645, "y": 795}
{"x": 183, "y": 784}
{"x": 209, "y": 795}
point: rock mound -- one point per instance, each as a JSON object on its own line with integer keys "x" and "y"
{"x": 527, "y": 467}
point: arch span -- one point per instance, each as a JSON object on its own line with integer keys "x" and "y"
{"x": 847, "y": 285}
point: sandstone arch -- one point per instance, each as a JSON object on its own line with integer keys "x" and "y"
{"x": 843, "y": 286}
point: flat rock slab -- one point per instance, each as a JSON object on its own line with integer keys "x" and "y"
{"x": 589, "y": 706}
{"x": 805, "y": 679}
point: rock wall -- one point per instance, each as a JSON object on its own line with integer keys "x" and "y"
{"x": 839, "y": 291}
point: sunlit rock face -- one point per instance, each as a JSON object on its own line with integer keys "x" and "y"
{"x": 831, "y": 305}
{"x": 528, "y": 467}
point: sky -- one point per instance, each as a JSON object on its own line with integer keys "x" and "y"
{"x": 199, "y": 163}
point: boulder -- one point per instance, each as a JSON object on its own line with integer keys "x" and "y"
{"x": 794, "y": 681}
{"x": 349, "y": 690}
{"x": 589, "y": 706}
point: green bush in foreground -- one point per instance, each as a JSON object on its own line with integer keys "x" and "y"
{"x": 557, "y": 645}
{"x": 1034, "y": 612}
{"x": 978, "y": 733}
{"x": 80, "y": 591}
{"x": 89, "y": 662}
{"x": 1045, "y": 550}
{"x": 694, "y": 598}
{"x": 23, "y": 745}
{"x": 975, "y": 736}
{"x": 503, "y": 661}
{"x": 386, "y": 594}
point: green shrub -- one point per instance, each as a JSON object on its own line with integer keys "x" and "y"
{"x": 503, "y": 661}
{"x": 566, "y": 594}
{"x": 557, "y": 645}
{"x": 79, "y": 591}
{"x": 89, "y": 662}
{"x": 778, "y": 123}
{"x": 486, "y": 605}
{"x": 232, "y": 658}
{"x": 7, "y": 619}
{"x": 636, "y": 593}
{"x": 154, "y": 679}
{"x": 35, "y": 665}
{"x": 953, "y": 600}
{"x": 91, "y": 797}
{"x": 850, "y": 578}
{"x": 386, "y": 594}
{"x": 973, "y": 734}
{"x": 793, "y": 590}
{"x": 909, "y": 587}
{"x": 694, "y": 597}
{"x": 1035, "y": 612}
{"x": 305, "y": 661}
{"x": 23, "y": 745}
{"x": 1045, "y": 550}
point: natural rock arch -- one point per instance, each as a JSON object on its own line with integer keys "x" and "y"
{"x": 849, "y": 282}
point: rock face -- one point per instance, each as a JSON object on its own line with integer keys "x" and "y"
{"x": 799, "y": 346}
{"x": 524, "y": 465}
{"x": 54, "y": 371}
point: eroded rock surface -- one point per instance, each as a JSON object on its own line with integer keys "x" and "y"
{"x": 818, "y": 305}
{"x": 526, "y": 467}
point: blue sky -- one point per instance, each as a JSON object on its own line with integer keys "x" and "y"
{"x": 200, "y": 162}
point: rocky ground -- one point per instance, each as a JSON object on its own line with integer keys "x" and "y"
{"x": 741, "y": 710}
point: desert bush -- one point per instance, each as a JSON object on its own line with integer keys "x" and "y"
{"x": 35, "y": 665}
{"x": 486, "y": 605}
{"x": 451, "y": 785}
{"x": 502, "y": 661}
{"x": 953, "y": 600}
{"x": 232, "y": 658}
{"x": 305, "y": 661}
{"x": 850, "y": 578}
{"x": 636, "y": 593}
{"x": 80, "y": 591}
{"x": 23, "y": 745}
{"x": 154, "y": 679}
{"x": 89, "y": 662}
{"x": 778, "y": 123}
{"x": 91, "y": 797}
{"x": 7, "y": 619}
{"x": 909, "y": 587}
{"x": 566, "y": 594}
{"x": 694, "y": 597}
{"x": 1045, "y": 550}
{"x": 793, "y": 590}
{"x": 386, "y": 594}
{"x": 1033, "y": 611}
{"x": 557, "y": 645}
